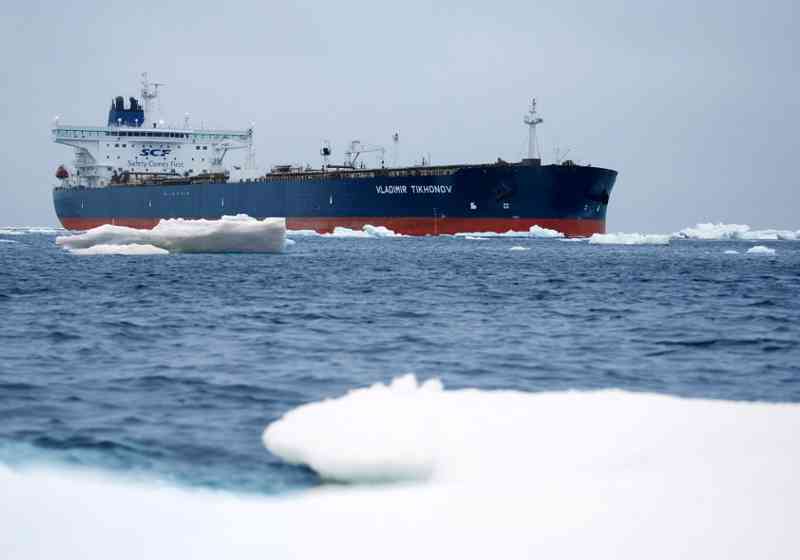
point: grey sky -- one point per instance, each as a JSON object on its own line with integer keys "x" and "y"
{"x": 694, "y": 103}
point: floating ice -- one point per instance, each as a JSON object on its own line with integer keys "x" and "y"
{"x": 473, "y": 238}
{"x": 302, "y": 233}
{"x": 710, "y": 231}
{"x": 519, "y": 248}
{"x": 544, "y": 233}
{"x": 761, "y": 250}
{"x": 534, "y": 231}
{"x": 508, "y": 474}
{"x": 230, "y": 234}
{"x": 131, "y": 249}
{"x": 731, "y": 252}
{"x": 28, "y": 230}
{"x": 367, "y": 231}
{"x": 628, "y": 239}
{"x": 412, "y": 430}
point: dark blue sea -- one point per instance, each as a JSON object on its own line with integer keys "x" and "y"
{"x": 171, "y": 366}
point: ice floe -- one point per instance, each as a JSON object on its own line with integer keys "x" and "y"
{"x": 367, "y": 231}
{"x": 760, "y": 250}
{"x": 711, "y": 231}
{"x": 131, "y": 249}
{"x": 25, "y": 230}
{"x": 534, "y": 231}
{"x": 628, "y": 239}
{"x": 230, "y": 234}
{"x": 731, "y": 252}
{"x": 509, "y": 474}
{"x": 519, "y": 248}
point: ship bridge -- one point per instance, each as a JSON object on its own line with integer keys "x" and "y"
{"x": 140, "y": 148}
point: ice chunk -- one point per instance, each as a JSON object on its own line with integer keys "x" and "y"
{"x": 731, "y": 252}
{"x": 28, "y": 230}
{"x": 534, "y": 231}
{"x": 302, "y": 233}
{"x": 131, "y": 249}
{"x": 721, "y": 231}
{"x": 473, "y": 238}
{"x": 507, "y": 474}
{"x": 367, "y": 232}
{"x": 761, "y": 250}
{"x": 230, "y": 234}
{"x": 628, "y": 239}
{"x": 543, "y": 233}
{"x": 519, "y": 248}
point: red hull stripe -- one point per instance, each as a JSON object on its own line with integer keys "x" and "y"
{"x": 407, "y": 226}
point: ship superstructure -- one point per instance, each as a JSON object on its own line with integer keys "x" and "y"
{"x": 135, "y": 147}
{"x": 138, "y": 170}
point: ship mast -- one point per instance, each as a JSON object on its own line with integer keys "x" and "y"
{"x": 533, "y": 120}
{"x": 149, "y": 95}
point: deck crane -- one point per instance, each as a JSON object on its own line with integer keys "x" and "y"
{"x": 357, "y": 148}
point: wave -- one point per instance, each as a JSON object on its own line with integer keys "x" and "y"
{"x": 483, "y": 473}
{"x": 230, "y": 234}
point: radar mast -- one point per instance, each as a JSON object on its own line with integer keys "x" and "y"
{"x": 532, "y": 120}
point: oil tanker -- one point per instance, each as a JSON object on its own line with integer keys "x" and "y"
{"x": 137, "y": 170}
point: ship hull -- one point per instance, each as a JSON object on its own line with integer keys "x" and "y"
{"x": 424, "y": 201}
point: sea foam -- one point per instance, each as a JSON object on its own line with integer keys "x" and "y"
{"x": 507, "y": 474}
{"x": 230, "y": 234}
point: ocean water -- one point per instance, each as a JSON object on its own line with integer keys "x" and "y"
{"x": 365, "y": 395}
{"x": 171, "y": 366}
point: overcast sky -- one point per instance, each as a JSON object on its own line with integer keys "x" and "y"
{"x": 694, "y": 103}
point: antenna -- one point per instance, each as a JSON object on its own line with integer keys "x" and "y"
{"x": 395, "y": 148}
{"x": 533, "y": 120}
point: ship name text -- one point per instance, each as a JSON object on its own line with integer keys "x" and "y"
{"x": 414, "y": 189}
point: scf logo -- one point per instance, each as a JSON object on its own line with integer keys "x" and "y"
{"x": 154, "y": 152}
